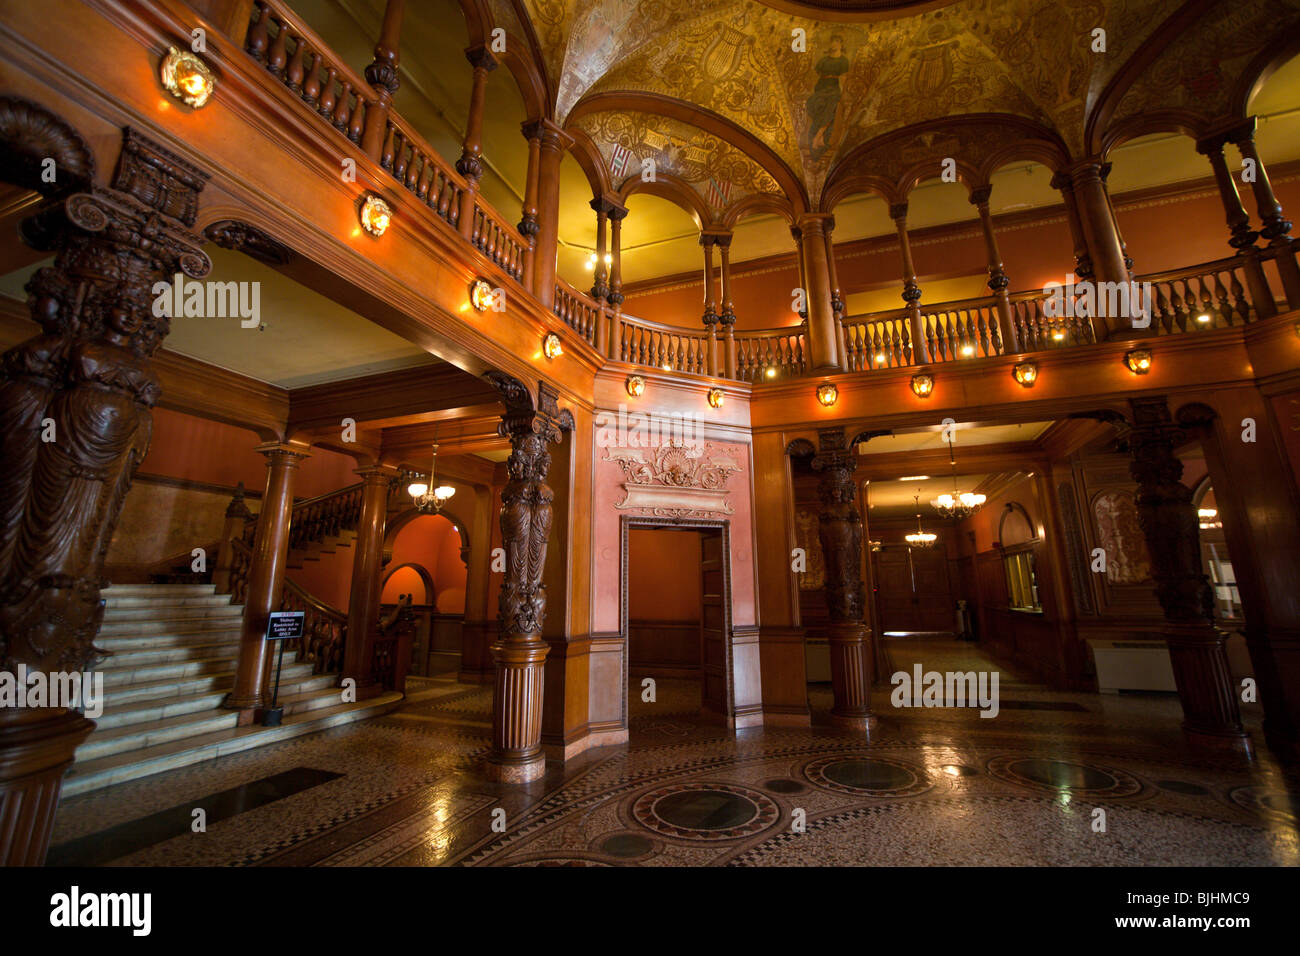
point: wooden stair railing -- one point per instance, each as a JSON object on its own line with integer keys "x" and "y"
{"x": 393, "y": 642}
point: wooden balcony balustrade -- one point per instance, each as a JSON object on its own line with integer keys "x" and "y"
{"x": 1220, "y": 294}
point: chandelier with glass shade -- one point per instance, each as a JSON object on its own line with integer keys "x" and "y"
{"x": 919, "y": 538}
{"x": 429, "y": 497}
{"x": 959, "y": 504}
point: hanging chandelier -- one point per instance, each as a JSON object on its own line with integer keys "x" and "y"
{"x": 959, "y": 504}
{"x": 919, "y": 538}
{"x": 429, "y": 497}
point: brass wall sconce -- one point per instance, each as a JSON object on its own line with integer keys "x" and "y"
{"x": 186, "y": 77}
{"x": 922, "y": 385}
{"x": 635, "y": 386}
{"x": 1026, "y": 373}
{"x": 827, "y": 393}
{"x": 480, "y": 294}
{"x": 715, "y": 397}
{"x": 551, "y": 346}
{"x": 375, "y": 216}
{"x": 1138, "y": 361}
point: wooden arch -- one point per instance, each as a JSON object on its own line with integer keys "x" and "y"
{"x": 424, "y": 574}
{"x": 587, "y": 153}
{"x": 673, "y": 189}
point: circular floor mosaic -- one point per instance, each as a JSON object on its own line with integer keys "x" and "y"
{"x": 705, "y": 811}
{"x": 1273, "y": 802}
{"x": 1043, "y": 773}
{"x": 869, "y": 776}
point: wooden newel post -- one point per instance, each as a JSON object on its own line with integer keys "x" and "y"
{"x": 998, "y": 280}
{"x": 237, "y": 516}
{"x": 381, "y": 74}
{"x": 911, "y": 290}
{"x": 470, "y": 164}
{"x": 1276, "y": 227}
{"x": 367, "y": 567}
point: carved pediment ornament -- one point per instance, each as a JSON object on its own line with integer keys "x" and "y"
{"x": 676, "y": 479}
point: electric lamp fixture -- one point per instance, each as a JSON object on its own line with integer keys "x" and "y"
{"x": 881, "y": 358}
{"x": 1204, "y": 318}
{"x": 919, "y": 538}
{"x": 551, "y": 346}
{"x": 1026, "y": 373}
{"x": 635, "y": 386}
{"x": 922, "y": 385}
{"x": 430, "y": 502}
{"x": 827, "y": 393}
{"x": 968, "y": 350}
{"x": 1138, "y": 361}
{"x": 480, "y": 294}
{"x": 186, "y": 77}
{"x": 715, "y": 397}
{"x": 959, "y": 504}
{"x": 376, "y": 215}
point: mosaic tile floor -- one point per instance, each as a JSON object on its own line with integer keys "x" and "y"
{"x": 932, "y": 787}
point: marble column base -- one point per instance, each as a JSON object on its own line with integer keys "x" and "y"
{"x": 517, "y": 755}
{"x": 525, "y": 772}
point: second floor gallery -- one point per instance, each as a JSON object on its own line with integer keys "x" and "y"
{"x": 550, "y": 386}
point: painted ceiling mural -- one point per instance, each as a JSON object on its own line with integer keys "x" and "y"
{"x": 722, "y": 174}
{"x": 855, "y": 79}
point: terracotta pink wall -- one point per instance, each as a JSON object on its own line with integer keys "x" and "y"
{"x": 431, "y": 542}
{"x": 606, "y": 519}
{"x": 405, "y": 581}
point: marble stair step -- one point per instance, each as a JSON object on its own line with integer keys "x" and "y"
{"x": 120, "y": 644}
{"x": 168, "y": 626}
{"x": 149, "y": 733}
{"x": 115, "y": 603}
{"x": 133, "y": 657}
{"x": 159, "y": 590}
{"x": 143, "y": 711}
{"x": 118, "y": 676}
{"x": 131, "y": 765}
{"x": 169, "y": 612}
{"x": 169, "y": 688}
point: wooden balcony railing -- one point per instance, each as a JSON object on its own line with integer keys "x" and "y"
{"x": 1215, "y": 295}
{"x": 668, "y": 347}
{"x": 780, "y": 350}
{"x": 579, "y": 311}
{"x": 421, "y": 171}
{"x": 880, "y": 340}
{"x": 498, "y": 240}
{"x": 289, "y": 50}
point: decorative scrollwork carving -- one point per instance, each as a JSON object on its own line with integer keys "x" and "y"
{"x": 29, "y": 137}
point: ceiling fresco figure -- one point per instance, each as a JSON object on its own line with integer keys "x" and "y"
{"x": 824, "y": 103}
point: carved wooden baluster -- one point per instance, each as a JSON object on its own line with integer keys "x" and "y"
{"x": 426, "y": 177}
{"x": 358, "y": 124}
{"x": 311, "y": 85}
{"x": 340, "y": 118}
{"x": 277, "y": 57}
{"x": 294, "y": 72}
{"x": 413, "y": 172}
{"x": 257, "y": 40}
{"x": 327, "y": 94}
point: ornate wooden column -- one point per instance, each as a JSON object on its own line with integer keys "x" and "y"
{"x": 998, "y": 280}
{"x": 600, "y": 278}
{"x": 911, "y": 290}
{"x": 1259, "y": 504}
{"x": 822, "y": 339}
{"x": 265, "y": 575}
{"x": 1114, "y": 217}
{"x": 554, "y": 141}
{"x": 526, "y": 512}
{"x": 615, "y": 298}
{"x": 470, "y": 164}
{"x": 840, "y": 533}
{"x": 1102, "y": 234}
{"x": 1169, "y": 525}
{"x": 1276, "y": 227}
{"x": 367, "y": 568}
{"x": 1243, "y": 237}
{"x": 477, "y": 631}
{"x": 837, "y": 298}
{"x": 89, "y": 373}
{"x": 382, "y": 75}
{"x": 1082, "y": 260}
{"x": 728, "y": 316}
{"x": 710, "y": 317}
{"x": 528, "y": 227}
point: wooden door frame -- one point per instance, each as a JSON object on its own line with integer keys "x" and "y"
{"x": 722, "y": 525}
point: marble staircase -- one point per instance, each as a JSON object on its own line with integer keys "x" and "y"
{"x": 172, "y": 655}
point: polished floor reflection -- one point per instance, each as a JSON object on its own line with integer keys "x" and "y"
{"x": 932, "y": 787}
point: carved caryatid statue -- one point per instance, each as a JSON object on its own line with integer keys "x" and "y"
{"x": 839, "y": 527}
{"x": 76, "y": 399}
{"x": 526, "y": 511}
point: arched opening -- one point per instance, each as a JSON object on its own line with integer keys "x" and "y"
{"x": 430, "y": 556}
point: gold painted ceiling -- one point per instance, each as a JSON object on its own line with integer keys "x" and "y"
{"x": 859, "y": 78}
